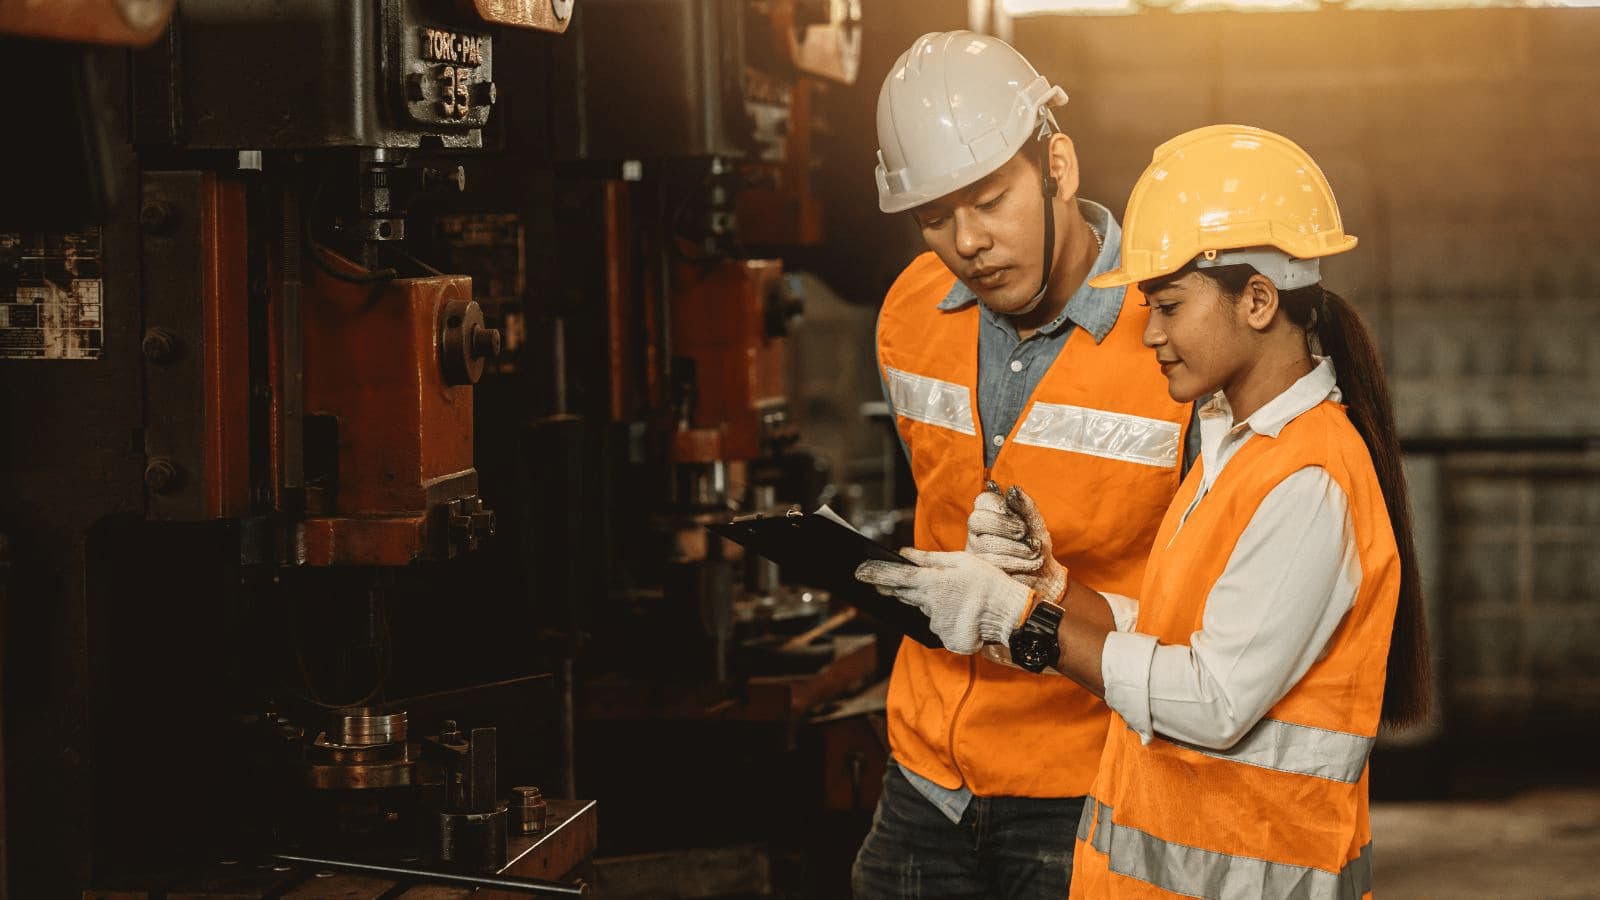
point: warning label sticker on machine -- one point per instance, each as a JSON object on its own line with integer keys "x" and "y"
{"x": 51, "y": 295}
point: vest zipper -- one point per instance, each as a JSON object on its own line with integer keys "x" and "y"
{"x": 972, "y": 681}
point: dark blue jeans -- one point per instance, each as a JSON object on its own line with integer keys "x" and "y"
{"x": 1004, "y": 847}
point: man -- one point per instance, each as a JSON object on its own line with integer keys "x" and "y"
{"x": 1001, "y": 363}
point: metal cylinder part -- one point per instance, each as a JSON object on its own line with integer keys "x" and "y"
{"x": 473, "y": 842}
{"x": 367, "y": 727}
{"x": 462, "y": 352}
{"x": 528, "y": 810}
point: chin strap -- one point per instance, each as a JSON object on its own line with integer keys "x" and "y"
{"x": 1048, "y": 186}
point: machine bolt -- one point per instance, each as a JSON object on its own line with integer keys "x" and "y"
{"x": 462, "y": 344}
{"x": 162, "y": 475}
{"x": 455, "y": 177}
{"x": 486, "y": 342}
{"x": 141, "y": 14}
{"x": 157, "y": 217}
{"x": 160, "y": 345}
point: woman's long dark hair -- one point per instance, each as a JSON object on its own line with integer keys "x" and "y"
{"x": 1407, "y": 689}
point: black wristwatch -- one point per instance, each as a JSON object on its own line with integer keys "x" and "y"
{"x": 1034, "y": 645}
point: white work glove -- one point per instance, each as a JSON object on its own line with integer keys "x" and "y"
{"x": 1008, "y": 532}
{"x": 967, "y": 601}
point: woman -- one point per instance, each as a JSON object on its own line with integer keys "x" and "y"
{"x": 1280, "y": 617}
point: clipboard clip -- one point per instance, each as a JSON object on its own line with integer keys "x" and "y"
{"x": 792, "y": 512}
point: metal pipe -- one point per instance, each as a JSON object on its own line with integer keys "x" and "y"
{"x": 535, "y": 886}
{"x": 619, "y": 287}
{"x": 558, "y": 342}
{"x": 5, "y": 577}
{"x": 293, "y": 402}
{"x": 569, "y": 728}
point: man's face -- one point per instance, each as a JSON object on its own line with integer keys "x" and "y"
{"x": 991, "y": 234}
{"x": 1199, "y": 335}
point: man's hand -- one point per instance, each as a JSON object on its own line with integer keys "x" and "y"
{"x": 967, "y": 600}
{"x": 999, "y": 536}
{"x": 1009, "y": 532}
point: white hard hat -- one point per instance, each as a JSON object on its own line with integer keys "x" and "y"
{"x": 955, "y": 107}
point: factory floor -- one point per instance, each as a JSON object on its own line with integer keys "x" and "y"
{"x": 1508, "y": 817}
{"x": 1536, "y": 843}
{"x": 1505, "y": 822}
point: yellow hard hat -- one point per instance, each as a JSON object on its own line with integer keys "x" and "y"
{"x": 1227, "y": 194}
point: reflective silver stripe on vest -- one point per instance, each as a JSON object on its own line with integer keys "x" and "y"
{"x": 1098, "y": 432}
{"x": 930, "y": 400}
{"x": 1102, "y": 826}
{"x": 1299, "y": 749}
{"x": 1086, "y": 819}
{"x": 1194, "y": 872}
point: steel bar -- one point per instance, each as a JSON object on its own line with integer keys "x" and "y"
{"x": 536, "y": 886}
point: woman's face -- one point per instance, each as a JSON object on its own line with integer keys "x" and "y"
{"x": 1199, "y": 335}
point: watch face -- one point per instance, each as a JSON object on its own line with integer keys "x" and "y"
{"x": 1032, "y": 650}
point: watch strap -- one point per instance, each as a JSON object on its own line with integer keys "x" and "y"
{"x": 1046, "y": 617}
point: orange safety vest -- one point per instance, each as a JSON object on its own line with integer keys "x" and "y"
{"x": 1098, "y": 447}
{"x": 1284, "y": 811}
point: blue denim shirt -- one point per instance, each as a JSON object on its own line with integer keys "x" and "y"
{"x": 1010, "y": 367}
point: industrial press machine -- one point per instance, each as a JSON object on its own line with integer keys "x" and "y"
{"x": 370, "y": 370}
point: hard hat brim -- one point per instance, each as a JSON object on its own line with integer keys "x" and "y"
{"x": 1125, "y": 274}
{"x": 1117, "y": 277}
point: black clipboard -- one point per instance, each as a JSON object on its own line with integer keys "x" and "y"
{"x": 817, "y": 550}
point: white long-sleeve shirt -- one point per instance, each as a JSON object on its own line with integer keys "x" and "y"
{"x": 1291, "y": 579}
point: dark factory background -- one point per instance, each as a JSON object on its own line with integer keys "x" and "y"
{"x": 370, "y": 369}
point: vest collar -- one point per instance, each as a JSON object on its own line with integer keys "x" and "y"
{"x": 1095, "y": 310}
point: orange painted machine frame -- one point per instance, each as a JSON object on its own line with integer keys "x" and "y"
{"x": 226, "y": 306}
{"x": 719, "y": 321}
{"x": 783, "y": 207}
{"x": 122, "y": 24}
{"x": 538, "y": 15}
{"x": 372, "y": 362}
{"x": 194, "y": 280}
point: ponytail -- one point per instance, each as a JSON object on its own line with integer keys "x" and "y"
{"x": 1337, "y": 325}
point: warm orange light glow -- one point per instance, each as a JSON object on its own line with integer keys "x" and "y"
{"x": 1079, "y": 7}
{"x": 1246, "y": 6}
{"x": 1017, "y": 8}
{"x": 1401, "y": 5}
